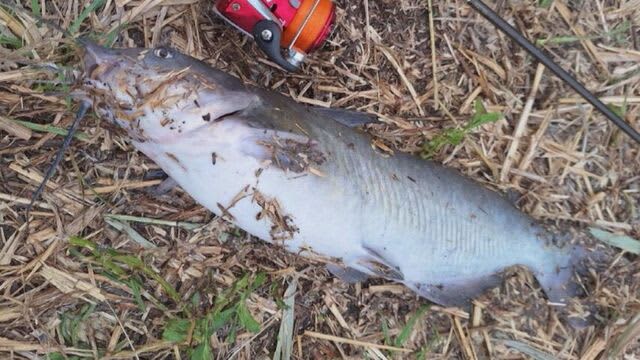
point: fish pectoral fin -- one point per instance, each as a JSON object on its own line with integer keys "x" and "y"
{"x": 457, "y": 293}
{"x": 350, "y": 118}
{"x": 163, "y": 188}
{"x": 346, "y": 274}
{"x": 215, "y": 107}
{"x": 155, "y": 174}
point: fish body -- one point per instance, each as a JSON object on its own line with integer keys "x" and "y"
{"x": 297, "y": 177}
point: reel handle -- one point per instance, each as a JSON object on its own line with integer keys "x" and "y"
{"x": 267, "y": 35}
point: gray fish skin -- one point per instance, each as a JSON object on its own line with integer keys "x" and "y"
{"x": 303, "y": 179}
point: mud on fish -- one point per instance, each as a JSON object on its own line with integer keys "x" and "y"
{"x": 306, "y": 179}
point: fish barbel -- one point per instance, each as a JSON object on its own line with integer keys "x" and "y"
{"x": 306, "y": 179}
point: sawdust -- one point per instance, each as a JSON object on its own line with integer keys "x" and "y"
{"x": 291, "y": 155}
{"x": 282, "y": 226}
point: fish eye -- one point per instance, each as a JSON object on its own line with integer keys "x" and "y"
{"x": 163, "y": 53}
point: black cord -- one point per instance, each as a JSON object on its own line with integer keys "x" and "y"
{"x": 84, "y": 106}
{"x": 505, "y": 27}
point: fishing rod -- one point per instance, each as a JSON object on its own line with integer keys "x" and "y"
{"x": 539, "y": 55}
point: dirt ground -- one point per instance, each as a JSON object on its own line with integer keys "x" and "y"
{"x": 86, "y": 281}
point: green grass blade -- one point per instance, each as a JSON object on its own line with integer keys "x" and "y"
{"x": 623, "y": 242}
{"x": 51, "y": 129}
{"x": 177, "y": 330}
{"x": 408, "y": 328}
{"x": 11, "y": 41}
{"x": 133, "y": 235}
{"x": 75, "y": 26}
{"x": 202, "y": 352}
{"x": 220, "y": 319}
{"x": 144, "y": 220}
{"x": 82, "y": 242}
{"x": 35, "y": 8}
{"x": 455, "y": 136}
{"x": 246, "y": 319}
{"x": 284, "y": 345}
{"x": 528, "y": 350}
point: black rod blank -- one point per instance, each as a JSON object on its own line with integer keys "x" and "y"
{"x": 539, "y": 55}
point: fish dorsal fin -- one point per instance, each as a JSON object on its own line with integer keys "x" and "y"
{"x": 350, "y": 118}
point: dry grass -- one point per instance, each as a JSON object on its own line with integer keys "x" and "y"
{"x": 566, "y": 162}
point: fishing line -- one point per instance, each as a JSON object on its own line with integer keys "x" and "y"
{"x": 539, "y": 55}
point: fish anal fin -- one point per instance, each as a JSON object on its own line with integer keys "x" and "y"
{"x": 163, "y": 188}
{"x": 346, "y": 274}
{"x": 383, "y": 270}
{"x": 379, "y": 265}
{"x": 457, "y": 293}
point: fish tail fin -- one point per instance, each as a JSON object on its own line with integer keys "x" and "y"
{"x": 561, "y": 285}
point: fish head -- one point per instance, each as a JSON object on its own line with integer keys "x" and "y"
{"x": 159, "y": 93}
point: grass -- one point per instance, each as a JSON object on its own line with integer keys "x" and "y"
{"x": 51, "y": 129}
{"x": 145, "y": 220}
{"x": 35, "y": 8}
{"x": 71, "y": 324}
{"x": 545, "y": 3}
{"x": 189, "y": 329}
{"x": 11, "y": 41}
{"x": 122, "y": 266}
{"x": 623, "y": 242}
{"x": 229, "y": 311}
{"x": 91, "y": 7}
{"x": 405, "y": 332}
{"x": 455, "y": 136}
{"x": 618, "y": 34}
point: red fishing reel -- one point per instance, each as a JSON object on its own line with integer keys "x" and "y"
{"x": 286, "y": 30}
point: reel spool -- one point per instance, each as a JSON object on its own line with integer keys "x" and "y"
{"x": 285, "y": 30}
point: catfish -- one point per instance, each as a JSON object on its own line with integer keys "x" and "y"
{"x": 308, "y": 179}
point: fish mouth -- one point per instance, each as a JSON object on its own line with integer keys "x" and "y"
{"x": 98, "y": 57}
{"x": 94, "y": 56}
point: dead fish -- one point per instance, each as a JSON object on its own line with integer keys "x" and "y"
{"x": 306, "y": 179}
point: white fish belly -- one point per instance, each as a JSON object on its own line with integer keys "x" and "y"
{"x": 321, "y": 222}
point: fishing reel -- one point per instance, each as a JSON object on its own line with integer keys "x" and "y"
{"x": 285, "y": 30}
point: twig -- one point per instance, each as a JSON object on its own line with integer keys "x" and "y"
{"x": 565, "y": 13}
{"x": 522, "y": 124}
{"x": 403, "y": 77}
{"x": 354, "y": 342}
{"x": 434, "y": 63}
